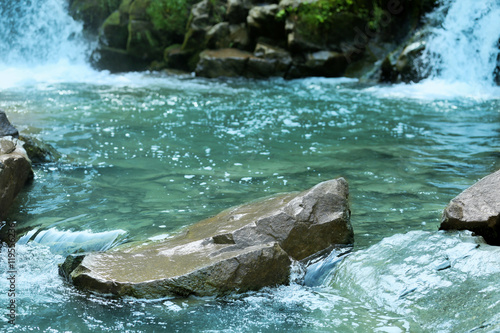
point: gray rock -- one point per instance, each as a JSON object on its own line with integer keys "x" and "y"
{"x": 6, "y": 128}
{"x": 239, "y": 36}
{"x": 267, "y": 51}
{"x": 38, "y": 151}
{"x": 321, "y": 63}
{"x": 243, "y": 248}
{"x": 224, "y": 62}
{"x": 271, "y": 61}
{"x": 15, "y": 172}
{"x": 218, "y": 36}
{"x": 261, "y": 68}
{"x": 476, "y": 209}
{"x": 262, "y": 22}
{"x": 261, "y": 16}
{"x": 204, "y": 15}
{"x": 237, "y": 10}
{"x": 229, "y": 62}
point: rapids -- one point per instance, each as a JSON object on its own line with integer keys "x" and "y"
{"x": 145, "y": 154}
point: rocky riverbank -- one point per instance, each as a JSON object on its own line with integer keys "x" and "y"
{"x": 15, "y": 166}
{"x": 287, "y": 38}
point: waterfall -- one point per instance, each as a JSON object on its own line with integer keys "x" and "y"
{"x": 38, "y": 32}
{"x": 40, "y": 42}
{"x": 463, "y": 45}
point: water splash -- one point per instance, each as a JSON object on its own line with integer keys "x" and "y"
{"x": 41, "y": 43}
{"x": 464, "y": 46}
{"x": 67, "y": 242}
{"x": 462, "y": 56}
{"x": 36, "y": 32}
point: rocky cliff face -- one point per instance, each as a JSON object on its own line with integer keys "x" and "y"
{"x": 241, "y": 249}
{"x": 316, "y": 37}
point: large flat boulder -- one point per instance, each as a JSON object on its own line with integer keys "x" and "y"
{"x": 225, "y": 62}
{"x": 476, "y": 209}
{"x": 243, "y": 248}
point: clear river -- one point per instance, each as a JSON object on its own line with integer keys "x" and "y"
{"x": 145, "y": 154}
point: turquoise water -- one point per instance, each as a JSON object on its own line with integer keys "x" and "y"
{"x": 145, "y": 154}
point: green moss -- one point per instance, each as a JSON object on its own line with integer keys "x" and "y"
{"x": 170, "y": 15}
{"x": 320, "y": 16}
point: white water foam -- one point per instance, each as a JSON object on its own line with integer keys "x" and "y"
{"x": 461, "y": 54}
{"x": 437, "y": 89}
{"x": 67, "y": 242}
{"x": 40, "y": 43}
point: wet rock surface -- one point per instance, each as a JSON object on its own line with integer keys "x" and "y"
{"x": 15, "y": 172}
{"x": 15, "y": 166}
{"x": 243, "y": 248}
{"x": 139, "y": 34}
{"x": 6, "y": 128}
{"x": 476, "y": 209}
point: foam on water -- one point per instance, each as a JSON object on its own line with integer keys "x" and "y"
{"x": 464, "y": 47}
{"x": 461, "y": 54}
{"x": 66, "y": 242}
{"x": 438, "y": 89}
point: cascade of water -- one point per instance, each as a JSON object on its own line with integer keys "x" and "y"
{"x": 463, "y": 45}
{"x": 40, "y": 42}
{"x": 67, "y": 242}
{"x": 38, "y": 32}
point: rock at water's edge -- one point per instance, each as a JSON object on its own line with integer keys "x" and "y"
{"x": 6, "y": 128}
{"x": 476, "y": 209}
{"x": 15, "y": 166}
{"x": 15, "y": 171}
{"x": 243, "y": 248}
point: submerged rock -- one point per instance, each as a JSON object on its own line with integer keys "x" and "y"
{"x": 321, "y": 63}
{"x": 243, "y": 248}
{"x": 476, "y": 209}
{"x": 38, "y": 151}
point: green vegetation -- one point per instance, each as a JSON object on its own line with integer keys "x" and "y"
{"x": 170, "y": 15}
{"x": 320, "y": 15}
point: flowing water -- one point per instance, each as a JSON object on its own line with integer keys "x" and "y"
{"x": 145, "y": 154}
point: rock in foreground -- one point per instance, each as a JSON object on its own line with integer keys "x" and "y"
{"x": 244, "y": 248}
{"x": 477, "y": 209}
